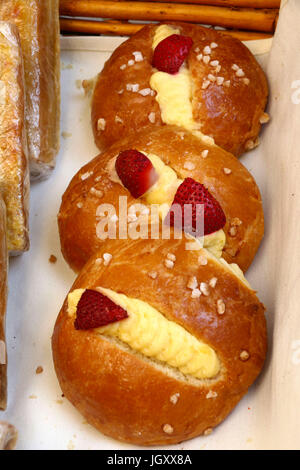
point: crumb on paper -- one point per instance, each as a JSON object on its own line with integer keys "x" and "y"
{"x": 78, "y": 84}
{"x": 39, "y": 370}
{"x": 32, "y": 397}
{"x": 88, "y": 86}
{"x": 66, "y": 66}
{"x": 59, "y": 402}
{"x": 66, "y": 135}
{"x": 52, "y": 259}
{"x": 71, "y": 445}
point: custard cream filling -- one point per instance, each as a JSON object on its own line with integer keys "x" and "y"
{"x": 174, "y": 92}
{"x": 148, "y": 332}
{"x": 163, "y": 193}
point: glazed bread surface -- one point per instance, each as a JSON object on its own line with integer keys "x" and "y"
{"x": 137, "y": 399}
{"x": 38, "y": 24}
{"x": 14, "y": 175}
{"x": 230, "y": 114}
{"x": 3, "y": 299}
{"x": 92, "y": 186}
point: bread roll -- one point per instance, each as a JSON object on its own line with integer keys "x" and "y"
{"x": 38, "y": 24}
{"x": 120, "y": 385}
{"x": 3, "y": 299}
{"x": 220, "y": 172}
{"x": 222, "y": 91}
{"x": 14, "y": 176}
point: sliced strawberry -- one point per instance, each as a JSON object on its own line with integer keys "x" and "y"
{"x": 194, "y": 193}
{"x": 171, "y": 52}
{"x": 136, "y": 172}
{"x": 95, "y": 309}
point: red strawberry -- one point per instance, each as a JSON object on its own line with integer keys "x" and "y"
{"x": 136, "y": 172}
{"x": 171, "y": 52}
{"x": 191, "y": 192}
{"x": 95, "y": 309}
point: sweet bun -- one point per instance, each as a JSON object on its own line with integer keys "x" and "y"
{"x": 228, "y": 93}
{"x": 220, "y": 172}
{"x": 131, "y": 395}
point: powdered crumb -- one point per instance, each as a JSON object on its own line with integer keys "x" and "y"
{"x": 66, "y": 135}
{"x": 52, "y": 259}
{"x": 192, "y": 283}
{"x": 168, "y": 429}
{"x": 211, "y": 394}
{"x": 204, "y": 288}
{"x": 152, "y": 274}
{"x": 174, "y": 398}
{"x": 169, "y": 264}
{"x": 107, "y": 258}
{"x": 101, "y": 123}
{"x": 189, "y": 166}
{"x": 196, "y": 293}
{"x": 244, "y": 355}
{"x": 86, "y": 175}
{"x": 221, "y": 307}
{"x": 151, "y": 117}
{"x": 208, "y": 431}
{"x": 71, "y": 445}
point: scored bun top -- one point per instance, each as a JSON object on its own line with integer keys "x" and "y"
{"x": 220, "y": 172}
{"x": 132, "y": 398}
{"x": 230, "y": 114}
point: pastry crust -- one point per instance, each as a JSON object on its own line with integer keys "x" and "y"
{"x": 38, "y": 24}
{"x": 3, "y": 300}
{"x": 129, "y": 397}
{"x": 14, "y": 175}
{"x": 229, "y": 114}
{"x": 236, "y": 192}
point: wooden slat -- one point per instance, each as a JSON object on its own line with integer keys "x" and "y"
{"x": 117, "y": 28}
{"x": 237, "y": 18}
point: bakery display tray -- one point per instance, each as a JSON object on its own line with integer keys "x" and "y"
{"x": 45, "y": 419}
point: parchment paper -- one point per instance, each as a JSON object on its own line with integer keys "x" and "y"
{"x": 268, "y": 417}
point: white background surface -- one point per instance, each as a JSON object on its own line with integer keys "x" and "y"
{"x": 44, "y": 419}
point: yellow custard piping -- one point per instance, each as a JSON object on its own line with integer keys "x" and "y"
{"x": 148, "y": 332}
{"x": 174, "y": 92}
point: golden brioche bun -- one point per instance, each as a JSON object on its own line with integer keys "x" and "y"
{"x": 231, "y": 115}
{"x": 236, "y": 192}
{"x": 128, "y": 396}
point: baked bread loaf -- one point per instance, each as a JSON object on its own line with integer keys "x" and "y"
{"x": 14, "y": 176}
{"x": 185, "y": 156}
{"x": 38, "y": 24}
{"x": 220, "y": 90}
{"x": 190, "y": 343}
{"x": 3, "y": 299}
